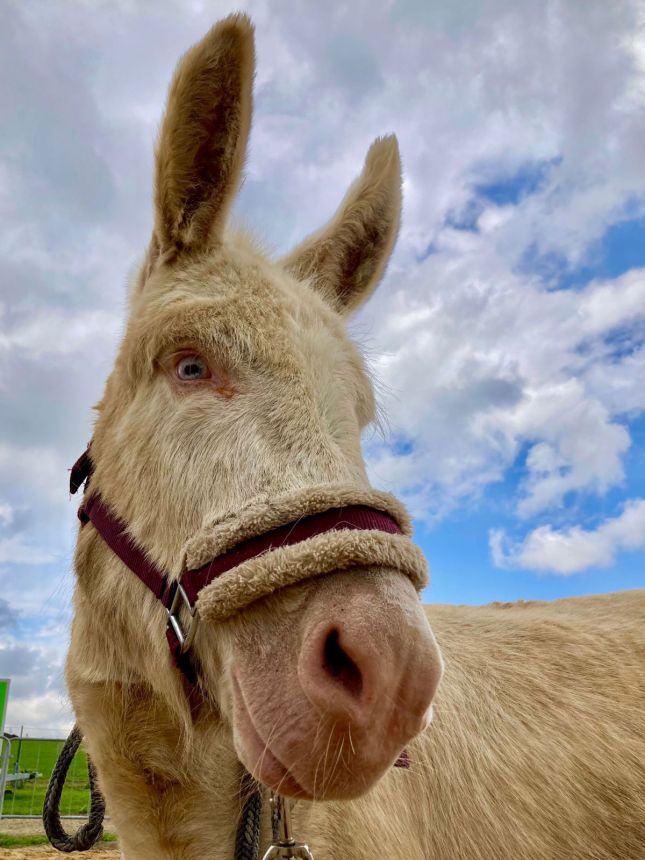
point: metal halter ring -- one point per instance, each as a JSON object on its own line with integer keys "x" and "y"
{"x": 179, "y": 599}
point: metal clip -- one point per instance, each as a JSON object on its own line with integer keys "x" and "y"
{"x": 185, "y": 637}
{"x": 284, "y": 845}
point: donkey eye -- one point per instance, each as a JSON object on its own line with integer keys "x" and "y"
{"x": 192, "y": 367}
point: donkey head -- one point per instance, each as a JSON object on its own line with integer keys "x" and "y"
{"x": 236, "y": 382}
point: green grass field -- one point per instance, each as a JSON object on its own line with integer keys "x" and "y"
{"x": 8, "y": 840}
{"x": 40, "y": 757}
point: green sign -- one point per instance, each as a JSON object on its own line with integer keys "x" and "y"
{"x": 4, "y": 698}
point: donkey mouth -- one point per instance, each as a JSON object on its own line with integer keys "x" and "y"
{"x": 258, "y": 756}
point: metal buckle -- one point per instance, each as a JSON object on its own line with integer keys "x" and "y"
{"x": 179, "y": 598}
{"x": 284, "y": 845}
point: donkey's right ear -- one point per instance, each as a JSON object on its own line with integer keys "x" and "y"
{"x": 202, "y": 143}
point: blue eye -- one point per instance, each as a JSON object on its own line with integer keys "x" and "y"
{"x": 192, "y": 367}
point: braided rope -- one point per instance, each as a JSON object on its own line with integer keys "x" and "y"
{"x": 247, "y": 840}
{"x": 90, "y": 832}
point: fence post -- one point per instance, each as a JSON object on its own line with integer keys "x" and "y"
{"x": 5, "y": 743}
{"x": 16, "y": 765}
{"x": 5, "y": 753}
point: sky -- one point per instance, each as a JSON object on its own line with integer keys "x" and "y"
{"x": 507, "y": 340}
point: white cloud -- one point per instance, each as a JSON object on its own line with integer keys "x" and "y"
{"x": 6, "y": 514}
{"x": 17, "y": 551}
{"x": 37, "y": 696}
{"x": 573, "y": 549}
{"x": 40, "y": 335}
{"x": 8, "y": 615}
{"x": 486, "y": 362}
{"x": 41, "y": 714}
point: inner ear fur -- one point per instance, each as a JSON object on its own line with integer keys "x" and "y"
{"x": 202, "y": 143}
{"x": 346, "y": 259}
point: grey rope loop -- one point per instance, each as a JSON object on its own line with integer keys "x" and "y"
{"x": 247, "y": 840}
{"x": 90, "y": 832}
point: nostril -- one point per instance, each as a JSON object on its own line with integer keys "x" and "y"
{"x": 340, "y": 666}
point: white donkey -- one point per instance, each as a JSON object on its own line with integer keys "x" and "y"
{"x": 226, "y": 457}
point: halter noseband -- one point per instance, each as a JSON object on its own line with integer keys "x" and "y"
{"x": 175, "y": 593}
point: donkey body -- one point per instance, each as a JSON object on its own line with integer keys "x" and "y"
{"x": 235, "y": 383}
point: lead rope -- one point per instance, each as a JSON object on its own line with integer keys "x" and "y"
{"x": 247, "y": 840}
{"x": 90, "y": 832}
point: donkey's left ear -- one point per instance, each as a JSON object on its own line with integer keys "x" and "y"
{"x": 203, "y": 137}
{"x": 347, "y": 258}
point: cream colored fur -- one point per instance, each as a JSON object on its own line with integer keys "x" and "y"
{"x": 537, "y": 748}
{"x": 346, "y": 258}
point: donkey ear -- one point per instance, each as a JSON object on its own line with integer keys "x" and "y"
{"x": 202, "y": 144}
{"x": 346, "y": 259}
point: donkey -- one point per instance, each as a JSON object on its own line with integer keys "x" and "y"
{"x": 235, "y": 391}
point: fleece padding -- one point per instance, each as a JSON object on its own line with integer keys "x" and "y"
{"x": 324, "y": 553}
{"x": 332, "y": 551}
{"x": 264, "y": 513}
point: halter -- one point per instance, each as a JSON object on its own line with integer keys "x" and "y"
{"x": 183, "y": 592}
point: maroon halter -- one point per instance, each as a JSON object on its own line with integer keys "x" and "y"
{"x": 172, "y": 592}
{"x": 114, "y": 533}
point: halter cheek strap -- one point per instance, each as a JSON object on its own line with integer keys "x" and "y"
{"x": 114, "y": 533}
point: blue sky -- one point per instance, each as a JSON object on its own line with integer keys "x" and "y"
{"x": 469, "y": 575}
{"x": 507, "y": 340}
